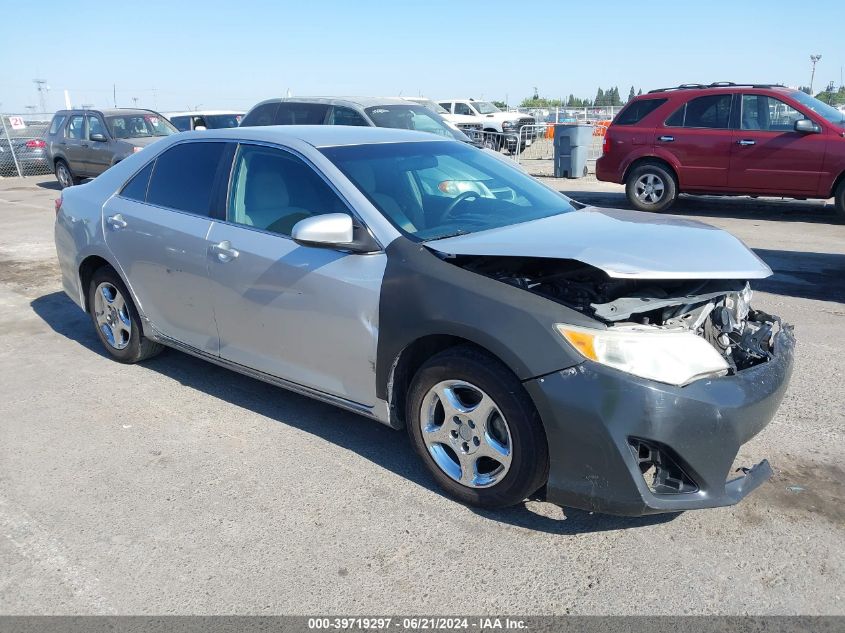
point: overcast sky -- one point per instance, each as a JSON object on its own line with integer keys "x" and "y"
{"x": 175, "y": 56}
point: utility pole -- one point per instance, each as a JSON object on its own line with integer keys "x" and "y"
{"x": 42, "y": 87}
{"x": 114, "y": 94}
{"x": 135, "y": 101}
{"x": 814, "y": 59}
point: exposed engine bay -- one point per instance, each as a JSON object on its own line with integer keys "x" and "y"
{"x": 717, "y": 310}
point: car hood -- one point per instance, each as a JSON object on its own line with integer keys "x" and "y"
{"x": 624, "y": 244}
{"x": 506, "y": 116}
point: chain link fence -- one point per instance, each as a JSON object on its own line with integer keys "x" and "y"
{"x": 23, "y": 150}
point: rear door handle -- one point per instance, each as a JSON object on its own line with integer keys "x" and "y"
{"x": 116, "y": 222}
{"x": 666, "y": 139}
{"x": 224, "y": 251}
{"x": 746, "y": 141}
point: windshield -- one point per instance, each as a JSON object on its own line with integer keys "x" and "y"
{"x": 413, "y": 117}
{"x": 139, "y": 126}
{"x": 485, "y": 107}
{"x": 437, "y": 189}
{"x": 837, "y": 117}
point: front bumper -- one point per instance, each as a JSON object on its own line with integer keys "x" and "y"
{"x": 593, "y": 414}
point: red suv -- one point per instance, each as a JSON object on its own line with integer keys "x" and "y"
{"x": 726, "y": 139}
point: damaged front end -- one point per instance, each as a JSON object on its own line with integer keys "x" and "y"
{"x": 718, "y": 310}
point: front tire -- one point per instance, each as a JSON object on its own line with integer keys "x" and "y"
{"x": 475, "y": 428}
{"x": 491, "y": 140}
{"x": 839, "y": 202}
{"x": 116, "y": 319}
{"x": 651, "y": 187}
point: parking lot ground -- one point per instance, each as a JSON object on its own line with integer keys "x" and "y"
{"x": 175, "y": 486}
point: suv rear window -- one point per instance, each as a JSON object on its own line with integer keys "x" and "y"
{"x": 710, "y": 111}
{"x": 638, "y": 110}
{"x": 301, "y": 114}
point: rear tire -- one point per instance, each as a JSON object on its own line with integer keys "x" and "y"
{"x": 65, "y": 176}
{"x": 651, "y": 187}
{"x": 116, "y": 319}
{"x": 839, "y": 202}
{"x": 486, "y": 447}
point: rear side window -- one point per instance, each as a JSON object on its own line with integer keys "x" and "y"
{"x": 638, "y": 110}
{"x": 711, "y": 111}
{"x": 57, "y": 123}
{"x": 136, "y": 188}
{"x": 301, "y": 114}
{"x": 184, "y": 176}
{"x": 181, "y": 123}
{"x": 261, "y": 115}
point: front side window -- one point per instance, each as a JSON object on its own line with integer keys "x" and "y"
{"x": 301, "y": 114}
{"x": 462, "y": 108}
{"x": 345, "y": 116}
{"x": 95, "y": 126}
{"x": 139, "y": 126}
{"x": 436, "y": 189}
{"x": 711, "y": 111}
{"x": 75, "y": 127}
{"x": 57, "y": 123}
{"x": 272, "y": 190}
{"x": 183, "y": 177}
{"x": 761, "y": 112}
{"x": 637, "y": 111}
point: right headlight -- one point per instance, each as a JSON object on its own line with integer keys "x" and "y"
{"x": 676, "y": 357}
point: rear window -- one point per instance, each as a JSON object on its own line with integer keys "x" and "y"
{"x": 261, "y": 115}
{"x": 301, "y": 114}
{"x": 638, "y": 110}
{"x": 711, "y": 111}
{"x": 183, "y": 178}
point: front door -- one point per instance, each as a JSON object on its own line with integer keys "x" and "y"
{"x": 98, "y": 154}
{"x": 158, "y": 234}
{"x": 698, "y": 139}
{"x": 307, "y": 315}
{"x": 768, "y": 155}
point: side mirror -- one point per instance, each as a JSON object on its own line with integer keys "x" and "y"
{"x": 333, "y": 230}
{"x": 806, "y": 126}
{"x": 100, "y": 138}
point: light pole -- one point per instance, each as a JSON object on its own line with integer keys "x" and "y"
{"x": 814, "y": 59}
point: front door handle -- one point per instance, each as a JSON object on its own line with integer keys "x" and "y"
{"x": 224, "y": 251}
{"x": 745, "y": 142}
{"x": 666, "y": 139}
{"x": 116, "y": 222}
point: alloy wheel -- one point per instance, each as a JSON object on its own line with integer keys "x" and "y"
{"x": 650, "y": 188}
{"x": 112, "y": 315}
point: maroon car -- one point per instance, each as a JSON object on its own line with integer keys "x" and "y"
{"x": 726, "y": 139}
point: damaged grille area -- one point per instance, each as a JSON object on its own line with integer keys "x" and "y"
{"x": 717, "y": 310}
{"x": 660, "y": 470}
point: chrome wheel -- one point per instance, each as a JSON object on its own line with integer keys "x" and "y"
{"x": 466, "y": 434}
{"x": 650, "y": 188}
{"x": 63, "y": 175}
{"x": 112, "y": 315}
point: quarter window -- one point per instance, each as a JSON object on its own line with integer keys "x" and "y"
{"x": 75, "y": 127}
{"x": 136, "y": 188}
{"x": 272, "y": 190}
{"x": 57, "y": 123}
{"x": 711, "y": 111}
{"x": 638, "y": 110}
{"x": 761, "y": 112}
{"x": 183, "y": 177}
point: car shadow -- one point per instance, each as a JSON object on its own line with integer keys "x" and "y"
{"x": 738, "y": 207}
{"x": 375, "y": 442}
{"x": 49, "y": 184}
{"x": 819, "y": 276}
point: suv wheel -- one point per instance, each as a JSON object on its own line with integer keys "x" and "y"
{"x": 65, "y": 176}
{"x": 651, "y": 187}
{"x": 839, "y": 201}
{"x": 476, "y": 429}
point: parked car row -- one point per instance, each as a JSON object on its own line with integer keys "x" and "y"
{"x": 726, "y": 139}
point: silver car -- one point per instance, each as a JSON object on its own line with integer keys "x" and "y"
{"x": 604, "y": 359}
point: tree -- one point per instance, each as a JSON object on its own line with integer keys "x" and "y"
{"x": 599, "y": 100}
{"x": 639, "y": 94}
{"x": 501, "y": 105}
{"x": 631, "y": 94}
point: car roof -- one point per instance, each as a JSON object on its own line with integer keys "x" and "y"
{"x": 108, "y": 111}
{"x": 364, "y": 102}
{"x": 201, "y": 112}
{"x": 698, "y": 89}
{"x": 323, "y": 135}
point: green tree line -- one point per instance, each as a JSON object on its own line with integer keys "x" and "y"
{"x": 604, "y": 97}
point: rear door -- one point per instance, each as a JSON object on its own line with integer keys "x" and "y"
{"x": 306, "y": 315}
{"x": 698, "y": 138}
{"x": 75, "y": 143}
{"x": 768, "y": 155}
{"x": 157, "y": 228}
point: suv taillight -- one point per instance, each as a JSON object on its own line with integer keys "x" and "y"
{"x": 35, "y": 143}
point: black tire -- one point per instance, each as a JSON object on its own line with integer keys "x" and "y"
{"x": 839, "y": 202}
{"x": 64, "y": 175}
{"x": 135, "y": 347}
{"x": 529, "y": 453}
{"x": 491, "y": 140}
{"x": 655, "y": 175}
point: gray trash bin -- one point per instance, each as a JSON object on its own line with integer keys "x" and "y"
{"x": 572, "y": 144}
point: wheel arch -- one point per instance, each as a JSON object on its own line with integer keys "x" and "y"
{"x": 87, "y": 267}
{"x": 838, "y": 181}
{"x": 653, "y": 160}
